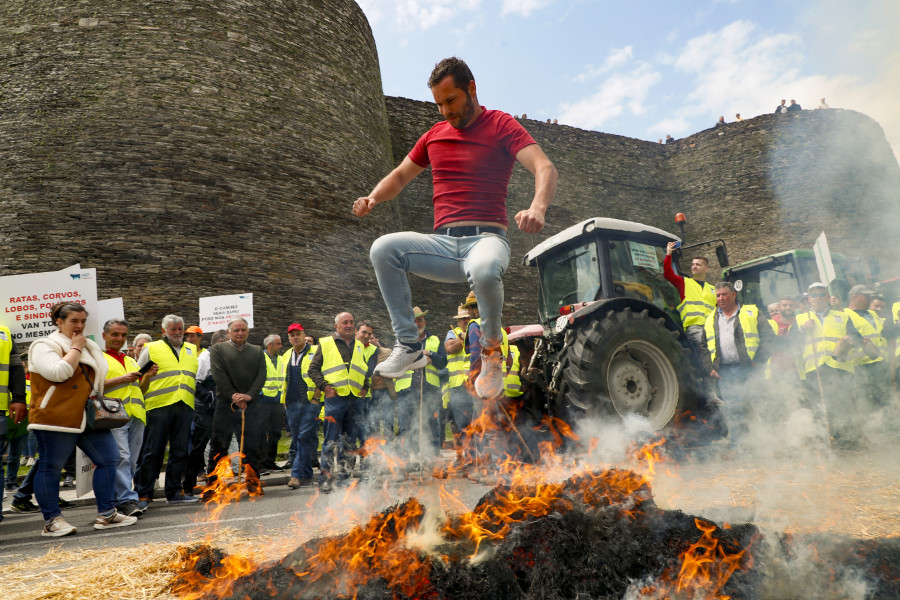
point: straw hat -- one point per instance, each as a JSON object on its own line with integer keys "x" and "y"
{"x": 461, "y": 312}
{"x": 470, "y": 300}
{"x": 418, "y": 312}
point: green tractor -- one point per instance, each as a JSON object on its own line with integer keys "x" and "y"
{"x": 765, "y": 280}
{"x": 612, "y": 342}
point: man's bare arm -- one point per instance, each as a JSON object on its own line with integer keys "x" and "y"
{"x": 533, "y": 158}
{"x": 387, "y": 188}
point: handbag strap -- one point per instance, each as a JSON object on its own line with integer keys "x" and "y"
{"x": 98, "y": 397}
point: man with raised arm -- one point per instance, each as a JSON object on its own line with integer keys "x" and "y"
{"x": 471, "y": 154}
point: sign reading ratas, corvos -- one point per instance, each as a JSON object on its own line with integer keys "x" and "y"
{"x": 26, "y": 300}
{"x": 217, "y": 311}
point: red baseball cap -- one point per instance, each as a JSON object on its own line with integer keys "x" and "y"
{"x": 295, "y": 327}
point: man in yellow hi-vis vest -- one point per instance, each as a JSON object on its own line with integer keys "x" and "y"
{"x": 866, "y": 336}
{"x": 737, "y": 340}
{"x": 829, "y": 381}
{"x": 460, "y": 403}
{"x": 340, "y": 371}
{"x": 270, "y": 403}
{"x": 419, "y": 395}
{"x": 301, "y": 406}
{"x": 12, "y": 390}
{"x": 168, "y": 389}
{"x": 123, "y": 382}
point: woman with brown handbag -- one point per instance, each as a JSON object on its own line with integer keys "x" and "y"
{"x": 66, "y": 369}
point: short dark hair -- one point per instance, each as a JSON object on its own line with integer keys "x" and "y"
{"x": 703, "y": 258}
{"x": 364, "y": 324}
{"x": 112, "y": 322}
{"x": 455, "y": 67}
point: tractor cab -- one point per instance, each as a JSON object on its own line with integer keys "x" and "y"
{"x": 601, "y": 259}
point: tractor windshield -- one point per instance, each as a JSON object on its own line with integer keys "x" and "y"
{"x": 569, "y": 277}
{"x": 637, "y": 272}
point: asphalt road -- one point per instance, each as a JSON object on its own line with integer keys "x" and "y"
{"x": 276, "y": 514}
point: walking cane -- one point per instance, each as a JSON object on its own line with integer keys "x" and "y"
{"x": 241, "y": 451}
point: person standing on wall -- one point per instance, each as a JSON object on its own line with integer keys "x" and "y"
{"x": 471, "y": 153}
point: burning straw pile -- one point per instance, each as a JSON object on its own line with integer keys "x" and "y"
{"x": 596, "y": 535}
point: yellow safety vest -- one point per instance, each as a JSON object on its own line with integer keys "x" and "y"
{"x": 819, "y": 347}
{"x": 834, "y": 327}
{"x": 511, "y": 382}
{"x": 699, "y": 301}
{"x": 432, "y": 344}
{"x": 747, "y": 316}
{"x": 6, "y": 347}
{"x": 347, "y": 380}
{"x": 504, "y": 342}
{"x": 458, "y": 363}
{"x": 129, "y": 393}
{"x": 176, "y": 377}
{"x": 368, "y": 351}
{"x": 274, "y": 376}
{"x": 304, "y": 372}
{"x": 895, "y": 311}
{"x": 869, "y": 332}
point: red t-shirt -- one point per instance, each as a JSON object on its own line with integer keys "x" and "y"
{"x": 471, "y": 167}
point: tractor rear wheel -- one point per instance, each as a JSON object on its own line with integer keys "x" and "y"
{"x": 627, "y": 363}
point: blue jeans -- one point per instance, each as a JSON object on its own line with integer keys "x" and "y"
{"x": 340, "y": 413}
{"x": 55, "y": 448}
{"x": 481, "y": 260}
{"x": 129, "y": 439}
{"x": 301, "y": 418}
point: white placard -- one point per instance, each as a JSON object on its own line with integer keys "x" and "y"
{"x": 111, "y": 308}
{"x": 217, "y": 311}
{"x": 84, "y": 473}
{"x": 823, "y": 260}
{"x": 643, "y": 255}
{"x": 26, "y": 301}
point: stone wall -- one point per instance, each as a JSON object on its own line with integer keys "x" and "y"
{"x": 188, "y": 149}
{"x": 768, "y": 184}
{"x": 191, "y": 148}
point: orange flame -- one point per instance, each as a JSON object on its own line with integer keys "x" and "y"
{"x": 227, "y": 489}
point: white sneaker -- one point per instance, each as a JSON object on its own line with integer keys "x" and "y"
{"x": 29, "y": 462}
{"x": 116, "y": 519}
{"x": 490, "y": 380}
{"x": 57, "y": 527}
{"x": 402, "y": 359}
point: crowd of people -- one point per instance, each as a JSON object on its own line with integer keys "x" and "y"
{"x": 191, "y": 401}
{"x": 832, "y": 360}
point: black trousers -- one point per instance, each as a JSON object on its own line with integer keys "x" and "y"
{"x": 273, "y": 422}
{"x": 201, "y": 430}
{"x": 228, "y": 423}
{"x": 167, "y": 425}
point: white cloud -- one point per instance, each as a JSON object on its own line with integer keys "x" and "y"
{"x": 617, "y": 58}
{"x": 620, "y": 92}
{"x": 412, "y": 15}
{"x": 523, "y": 7}
{"x": 742, "y": 69}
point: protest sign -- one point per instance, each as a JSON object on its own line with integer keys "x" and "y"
{"x": 26, "y": 301}
{"x": 217, "y": 311}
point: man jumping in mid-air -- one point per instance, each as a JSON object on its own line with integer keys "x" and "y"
{"x": 471, "y": 155}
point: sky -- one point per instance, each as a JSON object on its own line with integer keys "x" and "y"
{"x": 647, "y": 68}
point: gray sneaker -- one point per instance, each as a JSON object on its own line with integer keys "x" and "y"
{"x": 116, "y": 519}
{"x": 403, "y": 358}
{"x": 130, "y": 508}
{"x": 183, "y": 499}
{"x": 57, "y": 527}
